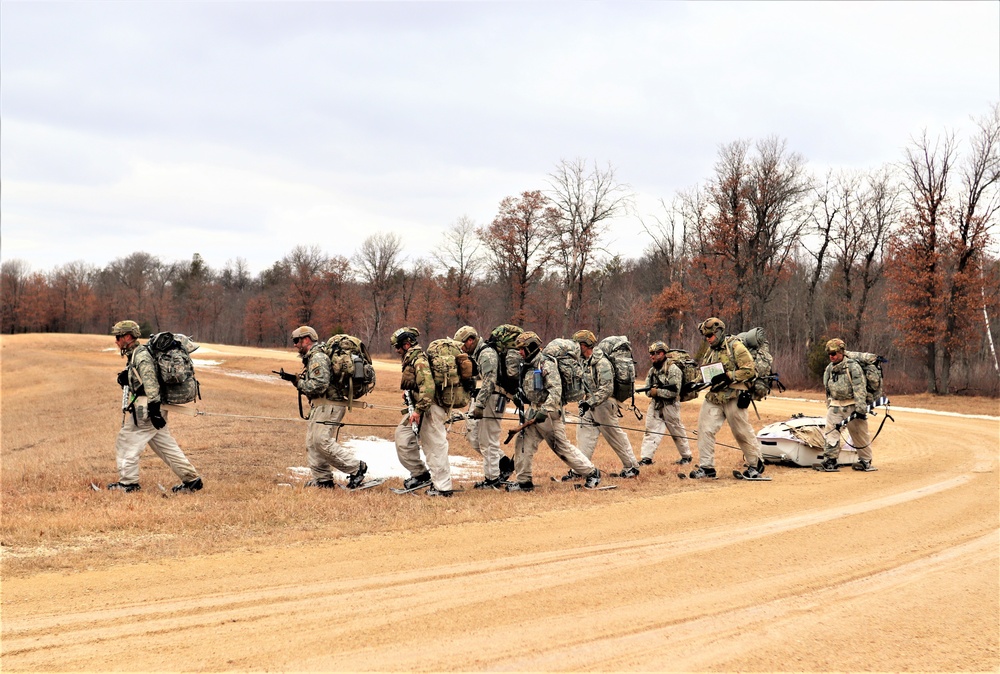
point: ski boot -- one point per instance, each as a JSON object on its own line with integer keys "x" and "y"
{"x": 593, "y": 480}
{"x": 829, "y": 465}
{"x": 701, "y": 473}
{"x": 417, "y": 481}
{"x": 357, "y": 478}
{"x": 189, "y": 486}
{"x": 864, "y": 466}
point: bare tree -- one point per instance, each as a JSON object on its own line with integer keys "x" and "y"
{"x": 587, "y": 199}
{"x": 831, "y": 201}
{"x": 14, "y": 276}
{"x": 517, "y": 246}
{"x": 378, "y": 266}
{"x": 461, "y": 262}
{"x": 307, "y": 268}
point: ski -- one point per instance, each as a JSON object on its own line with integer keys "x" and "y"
{"x": 368, "y": 484}
{"x": 740, "y": 476}
{"x": 396, "y": 490}
{"x": 602, "y": 487}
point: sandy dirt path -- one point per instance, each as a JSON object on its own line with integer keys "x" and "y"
{"x": 893, "y": 570}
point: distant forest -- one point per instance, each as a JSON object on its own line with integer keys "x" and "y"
{"x": 900, "y": 260}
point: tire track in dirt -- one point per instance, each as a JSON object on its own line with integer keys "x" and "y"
{"x": 79, "y": 633}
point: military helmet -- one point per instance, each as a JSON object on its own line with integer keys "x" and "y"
{"x": 835, "y": 346}
{"x": 464, "y": 332}
{"x": 711, "y": 326}
{"x": 304, "y": 331}
{"x": 530, "y": 342}
{"x": 658, "y": 346}
{"x": 126, "y": 328}
{"x": 404, "y": 335}
{"x": 585, "y": 337}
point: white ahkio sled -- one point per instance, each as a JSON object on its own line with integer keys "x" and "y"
{"x": 800, "y": 441}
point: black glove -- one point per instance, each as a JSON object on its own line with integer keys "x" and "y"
{"x": 155, "y": 417}
{"x": 288, "y": 376}
{"x": 123, "y": 378}
{"x": 469, "y": 385}
{"x": 477, "y": 413}
{"x": 860, "y": 415}
{"x": 719, "y": 382}
{"x": 584, "y": 407}
{"x": 744, "y": 399}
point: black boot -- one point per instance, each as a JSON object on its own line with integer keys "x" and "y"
{"x": 357, "y": 478}
{"x": 417, "y": 481}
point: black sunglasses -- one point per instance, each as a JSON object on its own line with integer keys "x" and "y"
{"x": 296, "y": 340}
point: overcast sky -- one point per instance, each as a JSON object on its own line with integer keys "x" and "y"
{"x": 243, "y": 129}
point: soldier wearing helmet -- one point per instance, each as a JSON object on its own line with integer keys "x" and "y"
{"x": 427, "y": 417}
{"x": 542, "y": 387}
{"x": 846, "y": 404}
{"x": 727, "y": 400}
{"x": 327, "y": 407}
{"x": 663, "y": 416}
{"x": 483, "y": 429}
{"x": 599, "y": 411}
{"x": 144, "y": 421}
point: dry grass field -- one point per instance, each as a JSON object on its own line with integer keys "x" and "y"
{"x": 893, "y": 570}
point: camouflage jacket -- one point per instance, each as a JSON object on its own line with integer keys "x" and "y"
{"x": 314, "y": 382}
{"x": 549, "y": 397}
{"x": 667, "y": 380}
{"x": 142, "y": 379}
{"x": 598, "y": 378}
{"x": 487, "y": 361}
{"x": 417, "y": 377}
{"x": 845, "y": 381}
{"x": 739, "y": 365}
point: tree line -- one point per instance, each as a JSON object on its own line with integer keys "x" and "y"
{"x": 899, "y": 260}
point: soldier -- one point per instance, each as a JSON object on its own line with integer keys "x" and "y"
{"x": 844, "y": 381}
{"x": 599, "y": 411}
{"x": 483, "y": 429}
{"x": 542, "y": 386}
{"x": 327, "y": 407}
{"x": 727, "y": 400}
{"x": 426, "y": 419}
{"x": 144, "y": 422}
{"x": 664, "y": 413}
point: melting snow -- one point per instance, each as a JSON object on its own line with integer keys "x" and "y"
{"x": 380, "y": 455}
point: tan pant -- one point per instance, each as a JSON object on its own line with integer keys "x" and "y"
{"x": 553, "y": 432}
{"x": 434, "y": 442}
{"x": 133, "y": 438}
{"x": 484, "y": 437}
{"x": 858, "y": 428}
{"x": 710, "y": 420}
{"x": 667, "y": 420}
{"x": 321, "y": 442}
{"x": 587, "y": 434}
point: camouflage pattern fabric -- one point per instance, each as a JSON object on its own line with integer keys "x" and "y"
{"x": 314, "y": 382}
{"x": 598, "y": 378}
{"x": 667, "y": 381}
{"x": 739, "y": 365}
{"x": 846, "y": 381}
{"x": 488, "y": 362}
{"x": 548, "y": 398}
{"x": 142, "y": 379}
{"x": 417, "y": 368}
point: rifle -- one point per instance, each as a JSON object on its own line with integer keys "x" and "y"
{"x": 512, "y": 433}
{"x": 411, "y": 407}
{"x": 644, "y": 389}
{"x": 287, "y": 376}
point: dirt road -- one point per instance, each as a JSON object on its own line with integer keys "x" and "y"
{"x": 893, "y": 570}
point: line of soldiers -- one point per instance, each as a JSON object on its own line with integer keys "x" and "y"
{"x": 536, "y": 389}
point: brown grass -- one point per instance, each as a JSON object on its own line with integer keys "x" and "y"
{"x": 59, "y": 421}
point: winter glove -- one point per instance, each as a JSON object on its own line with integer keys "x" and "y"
{"x": 860, "y": 415}
{"x": 155, "y": 417}
{"x": 123, "y": 378}
{"x": 720, "y": 382}
{"x": 584, "y": 407}
{"x": 288, "y": 376}
{"x": 744, "y": 400}
{"x": 477, "y": 413}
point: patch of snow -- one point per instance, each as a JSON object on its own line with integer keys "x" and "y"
{"x": 201, "y": 362}
{"x": 380, "y": 455}
{"x": 915, "y": 410}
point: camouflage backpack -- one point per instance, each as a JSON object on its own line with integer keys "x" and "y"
{"x": 566, "y": 354}
{"x": 691, "y": 381}
{"x": 174, "y": 367}
{"x": 871, "y": 365}
{"x": 757, "y": 345}
{"x": 501, "y": 340}
{"x": 351, "y": 373}
{"x": 618, "y": 350}
{"x": 452, "y": 371}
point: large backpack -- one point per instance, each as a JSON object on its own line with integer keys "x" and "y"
{"x": 174, "y": 367}
{"x": 351, "y": 371}
{"x": 452, "y": 371}
{"x": 691, "y": 381}
{"x": 618, "y": 350}
{"x": 871, "y": 365}
{"x": 566, "y": 354}
{"x": 502, "y": 340}
{"x": 757, "y": 345}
